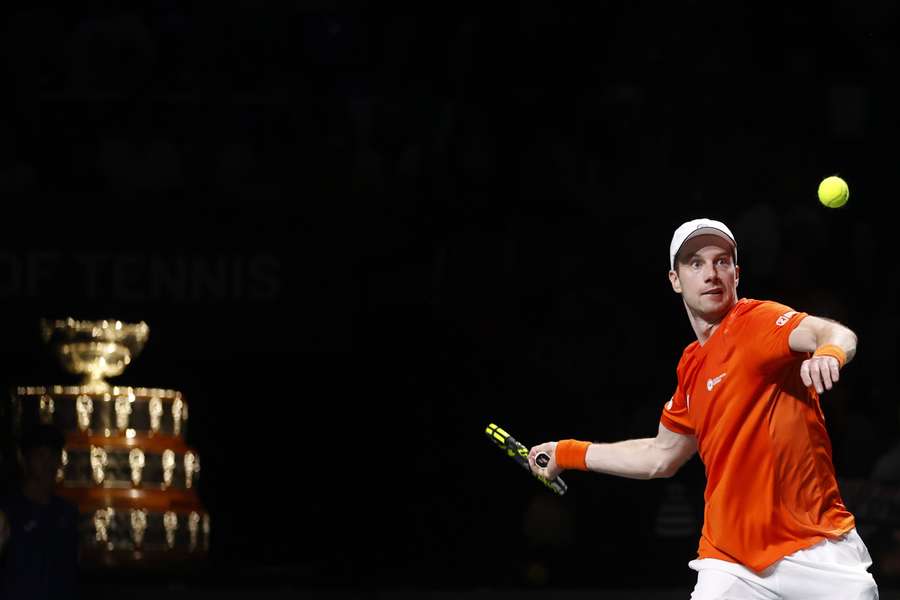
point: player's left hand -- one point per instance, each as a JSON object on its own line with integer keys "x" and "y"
{"x": 821, "y": 372}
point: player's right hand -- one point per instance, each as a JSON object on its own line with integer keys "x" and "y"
{"x": 552, "y": 470}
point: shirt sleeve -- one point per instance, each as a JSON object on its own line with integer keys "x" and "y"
{"x": 767, "y": 331}
{"x": 675, "y": 416}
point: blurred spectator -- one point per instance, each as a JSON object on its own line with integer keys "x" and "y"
{"x": 38, "y": 529}
{"x": 887, "y": 466}
{"x": 549, "y": 529}
{"x": 111, "y": 53}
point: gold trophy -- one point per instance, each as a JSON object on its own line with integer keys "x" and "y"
{"x": 95, "y": 349}
{"x": 117, "y": 438}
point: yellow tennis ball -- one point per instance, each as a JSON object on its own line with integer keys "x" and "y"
{"x": 833, "y": 192}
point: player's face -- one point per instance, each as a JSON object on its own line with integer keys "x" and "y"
{"x": 706, "y": 277}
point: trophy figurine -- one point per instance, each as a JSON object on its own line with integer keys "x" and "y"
{"x": 95, "y": 349}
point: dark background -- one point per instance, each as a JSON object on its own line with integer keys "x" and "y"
{"x": 359, "y": 237}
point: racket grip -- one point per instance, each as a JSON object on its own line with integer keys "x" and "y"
{"x": 542, "y": 459}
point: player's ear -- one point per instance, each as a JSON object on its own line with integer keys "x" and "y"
{"x": 676, "y": 283}
{"x": 737, "y": 275}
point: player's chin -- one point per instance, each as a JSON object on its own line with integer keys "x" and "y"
{"x": 714, "y": 306}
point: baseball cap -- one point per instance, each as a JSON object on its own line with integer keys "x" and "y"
{"x": 699, "y": 227}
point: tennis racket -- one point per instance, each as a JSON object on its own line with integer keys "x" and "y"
{"x": 519, "y": 453}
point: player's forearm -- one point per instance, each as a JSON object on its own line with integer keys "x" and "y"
{"x": 840, "y": 336}
{"x": 635, "y": 459}
{"x": 815, "y": 332}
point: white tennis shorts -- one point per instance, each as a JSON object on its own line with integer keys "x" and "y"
{"x": 831, "y": 569}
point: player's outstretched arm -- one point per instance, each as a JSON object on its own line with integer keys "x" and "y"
{"x": 833, "y": 345}
{"x": 646, "y": 458}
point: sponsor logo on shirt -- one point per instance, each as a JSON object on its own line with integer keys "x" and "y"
{"x": 713, "y": 381}
{"x": 785, "y": 317}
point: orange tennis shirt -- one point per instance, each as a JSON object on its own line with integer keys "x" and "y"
{"x": 770, "y": 483}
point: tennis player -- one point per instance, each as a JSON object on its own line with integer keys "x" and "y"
{"x": 747, "y": 399}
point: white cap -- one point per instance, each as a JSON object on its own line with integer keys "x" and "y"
{"x": 699, "y": 227}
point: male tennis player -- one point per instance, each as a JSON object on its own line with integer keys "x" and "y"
{"x": 747, "y": 399}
